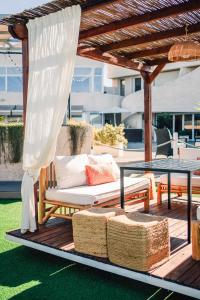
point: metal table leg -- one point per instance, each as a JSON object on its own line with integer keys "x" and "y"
{"x": 169, "y": 190}
{"x": 189, "y": 192}
{"x": 122, "y": 187}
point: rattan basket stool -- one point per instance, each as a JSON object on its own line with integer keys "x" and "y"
{"x": 90, "y": 230}
{"x": 138, "y": 241}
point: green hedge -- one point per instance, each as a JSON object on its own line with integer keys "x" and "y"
{"x": 11, "y": 142}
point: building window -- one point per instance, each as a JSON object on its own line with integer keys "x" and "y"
{"x": 197, "y": 126}
{"x": 188, "y": 125}
{"x": 98, "y": 84}
{"x": 82, "y": 71}
{"x": 81, "y": 84}
{"x": 122, "y": 87}
{"x": 87, "y": 80}
{"x": 138, "y": 84}
{"x": 14, "y": 70}
{"x": 11, "y": 79}
{"x": 96, "y": 119}
{"x": 2, "y": 70}
{"x": 14, "y": 84}
{"x": 2, "y": 84}
{"x": 98, "y": 80}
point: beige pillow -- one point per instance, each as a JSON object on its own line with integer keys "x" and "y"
{"x": 70, "y": 170}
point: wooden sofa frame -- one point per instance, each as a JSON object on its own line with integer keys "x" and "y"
{"x": 54, "y": 208}
{"x": 176, "y": 189}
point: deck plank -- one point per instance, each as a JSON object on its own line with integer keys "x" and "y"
{"x": 180, "y": 268}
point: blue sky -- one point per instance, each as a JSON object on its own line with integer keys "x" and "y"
{"x": 14, "y": 6}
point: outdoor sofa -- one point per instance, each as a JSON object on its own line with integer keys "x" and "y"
{"x": 57, "y": 200}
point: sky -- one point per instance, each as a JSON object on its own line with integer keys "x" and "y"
{"x": 14, "y": 6}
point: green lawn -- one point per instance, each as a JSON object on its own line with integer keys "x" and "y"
{"x": 29, "y": 274}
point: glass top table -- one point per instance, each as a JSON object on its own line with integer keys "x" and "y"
{"x": 166, "y": 166}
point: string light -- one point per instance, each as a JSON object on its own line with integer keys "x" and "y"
{"x": 14, "y": 63}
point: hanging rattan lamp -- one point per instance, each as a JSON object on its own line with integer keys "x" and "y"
{"x": 183, "y": 51}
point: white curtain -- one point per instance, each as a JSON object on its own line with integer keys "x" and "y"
{"x": 53, "y": 43}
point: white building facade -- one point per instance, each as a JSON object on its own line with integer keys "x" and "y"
{"x": 87, "y": 98}
{"x": 175, "y": 97}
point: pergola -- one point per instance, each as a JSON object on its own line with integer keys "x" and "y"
{"x": 132, "y": 34}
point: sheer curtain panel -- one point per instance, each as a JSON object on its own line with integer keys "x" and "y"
{"x": 53, "y": 43}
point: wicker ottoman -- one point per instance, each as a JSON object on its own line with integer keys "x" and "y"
{"x": 90, "y": 230}
{"x": 138, "y": 241}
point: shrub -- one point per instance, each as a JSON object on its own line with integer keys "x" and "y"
{"x": 11, "y": 142}
{"x": 110, "y": 135}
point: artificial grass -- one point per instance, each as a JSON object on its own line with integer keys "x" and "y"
{"x": 30, "y": 274}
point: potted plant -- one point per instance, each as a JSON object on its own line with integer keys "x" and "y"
{"x": 109, "y": 139}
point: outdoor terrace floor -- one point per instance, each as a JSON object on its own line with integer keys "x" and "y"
{"x": 181, "y": 273}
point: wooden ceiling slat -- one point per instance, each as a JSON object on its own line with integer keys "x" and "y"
{"x": 149, "y": 38}
{"x": 142, "y": 25}
{"x": 149, "y": 17}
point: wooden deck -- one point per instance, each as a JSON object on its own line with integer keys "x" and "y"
{"x": 181, "y": 273}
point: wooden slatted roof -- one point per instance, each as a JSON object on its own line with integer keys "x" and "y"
{"x": 129, "y": 33}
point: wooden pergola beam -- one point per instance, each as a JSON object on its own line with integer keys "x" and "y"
{"x": 149, "y": 17}
{"x": 149, "y": 52}
{"x": 150, "y": 38}
{"x": 18, "y": 31}
{"x": 114, "y": 60}
{"x": 156, "y": 72}
{"x": 158, "y": 61}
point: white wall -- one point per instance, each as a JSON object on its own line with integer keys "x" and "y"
{"x": 164, "y": 77}
{"x": 96, "y": 101}
{"x": 86, "y": 62}
{"x": 133, "y": 121}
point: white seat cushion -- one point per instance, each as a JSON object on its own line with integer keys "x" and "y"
{"x": 180, "y": 179}
{"x": 91, "y": 195}
{"x": 198, "y": 213}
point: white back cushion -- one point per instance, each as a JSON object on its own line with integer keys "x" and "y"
{"x": 104, "y": 159}
{"x": 70, "y": 170}
{"x": 189, "y": 153}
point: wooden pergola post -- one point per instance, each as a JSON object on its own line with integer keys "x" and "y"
{"x": 147, "y": 118}
{"x": 148, "y": 79}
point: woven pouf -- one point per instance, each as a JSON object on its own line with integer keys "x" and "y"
{"x": 138, "y": 241}
{"x": 90, "y": 230}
